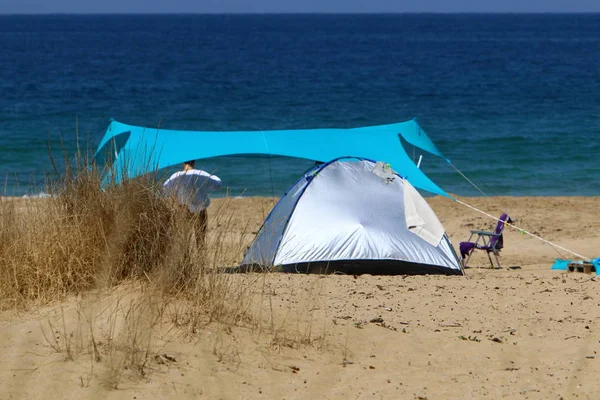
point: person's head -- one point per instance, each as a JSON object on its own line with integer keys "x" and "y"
{"x": 189, "y": 165}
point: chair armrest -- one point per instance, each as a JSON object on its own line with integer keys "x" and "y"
{"x": 484, "y": 233}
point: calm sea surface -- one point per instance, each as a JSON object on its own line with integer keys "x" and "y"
{"x": 512, "y": 100}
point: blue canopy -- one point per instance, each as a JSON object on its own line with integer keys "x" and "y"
{"x": 129, "y": 151}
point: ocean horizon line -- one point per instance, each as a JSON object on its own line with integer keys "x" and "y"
{"x": 303, "y": 13}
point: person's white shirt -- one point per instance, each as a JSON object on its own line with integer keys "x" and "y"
{"x": 192, "y": 188}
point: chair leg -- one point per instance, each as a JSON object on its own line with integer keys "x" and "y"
{"x": 490, "y": 258}
{"x": 466, "y": 260}
{"x": 497, "y": 260}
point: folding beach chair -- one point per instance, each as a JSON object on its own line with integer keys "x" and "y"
{"x": 490, "y": 242}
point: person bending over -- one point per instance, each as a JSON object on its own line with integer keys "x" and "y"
{"x": 191, "y": 188}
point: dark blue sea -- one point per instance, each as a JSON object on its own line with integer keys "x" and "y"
{"x": 512, "y": 100}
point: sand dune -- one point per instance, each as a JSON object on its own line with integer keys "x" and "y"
{"x": 527, "y": 333}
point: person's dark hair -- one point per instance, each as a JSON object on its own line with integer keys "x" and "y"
{"x": 192, "y": 163}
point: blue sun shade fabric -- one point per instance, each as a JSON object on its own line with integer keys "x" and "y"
{"x": 130, "y": 150}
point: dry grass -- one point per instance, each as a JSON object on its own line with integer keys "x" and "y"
{"x": 86, "y": 237}
{"x": 127, "y": 254}
{"x": 82, "y": 238}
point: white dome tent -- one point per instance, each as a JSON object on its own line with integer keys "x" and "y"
{"x": 355, "y": 216}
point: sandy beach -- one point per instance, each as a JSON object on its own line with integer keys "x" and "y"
{"x": 517, "y": 333}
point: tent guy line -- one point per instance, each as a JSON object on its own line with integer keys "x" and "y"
{"x": 524, "y": 231}
{"x": 468, "y": 180}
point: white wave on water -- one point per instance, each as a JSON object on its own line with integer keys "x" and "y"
{"x": 41, "y": 195}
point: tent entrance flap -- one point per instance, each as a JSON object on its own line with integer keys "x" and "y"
{"x": 420, "y": 218}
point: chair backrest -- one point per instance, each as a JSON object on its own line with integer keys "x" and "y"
{"x": 497, "y": 242}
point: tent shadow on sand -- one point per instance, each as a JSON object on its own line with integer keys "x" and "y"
{"x": 349, "y": 267}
